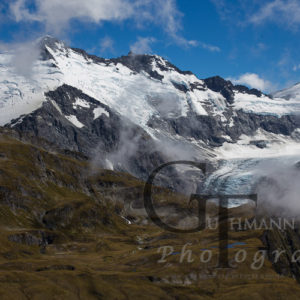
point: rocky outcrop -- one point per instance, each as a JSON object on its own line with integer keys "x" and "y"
{"x": 76, "y": 122}
{"x": 212, "y": 130}
{"x": 287, "y": 243}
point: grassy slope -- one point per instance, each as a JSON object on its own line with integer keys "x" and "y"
{"x": 62, "y": 239}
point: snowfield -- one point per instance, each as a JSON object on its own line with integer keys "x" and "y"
{"x": 134, "y": 95}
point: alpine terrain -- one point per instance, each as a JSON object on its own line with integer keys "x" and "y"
{"x": 79, "y": 137}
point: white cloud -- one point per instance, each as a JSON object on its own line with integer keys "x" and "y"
{"x": 252, "y": 80}
{"x": 106, "y": 44}
{"x": 235, "y": 12}
{"x": 211, "y": 48}
{"x": 56, "y": 15}
{"x": 165, "y": 14}
{"x": 245, "y": 12}
{"x": 258, "y": 49}
{"x": 24, "y": 58}
{"x": 142, "y": 45}
{"x": 223, "y": 8}
{"x": 279, "y": 11}
{"x": 24, "y": 55}
{"x": 171, "y": 20}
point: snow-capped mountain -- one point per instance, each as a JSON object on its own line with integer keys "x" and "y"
{"x": 142, "y": 108}
{"x": 292, "y": 93}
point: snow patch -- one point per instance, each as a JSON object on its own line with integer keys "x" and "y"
{"x": 265, "y": 106}
{"x": 81, "y": 103}
{"x": 74, "y": 121}
{"x": 109, "y": 165}
{"x": 277, "y": 145}
{"x": 98, "y": 111}
{"x": 56, "y": 106}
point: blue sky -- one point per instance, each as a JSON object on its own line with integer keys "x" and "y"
{"x": 251, "y": 42}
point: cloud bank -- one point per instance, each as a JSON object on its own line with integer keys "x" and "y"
{"x": 252, "y": 80}
{"x": 258, "y": 12}
{"x": 57, "y": 15}
{"x": 209, "y": 47}
{"x": 106, "y": 44}
{"x": 142, "y": 45}
{"x": 286, "y": 12}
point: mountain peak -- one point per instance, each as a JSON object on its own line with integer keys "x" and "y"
{"x": 227, "y": 88}
{"x": 49, "y": 42}
{"x": 289, "y": 93}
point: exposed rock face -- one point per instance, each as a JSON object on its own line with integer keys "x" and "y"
{"x": 51, "y": 122}
{"x": 218, "y": 84}
{"x": 288, "y": 242}
{"x": 74, "y": 121}
{"x": 226, "y": 88}
{"x": 212, "y": 129}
